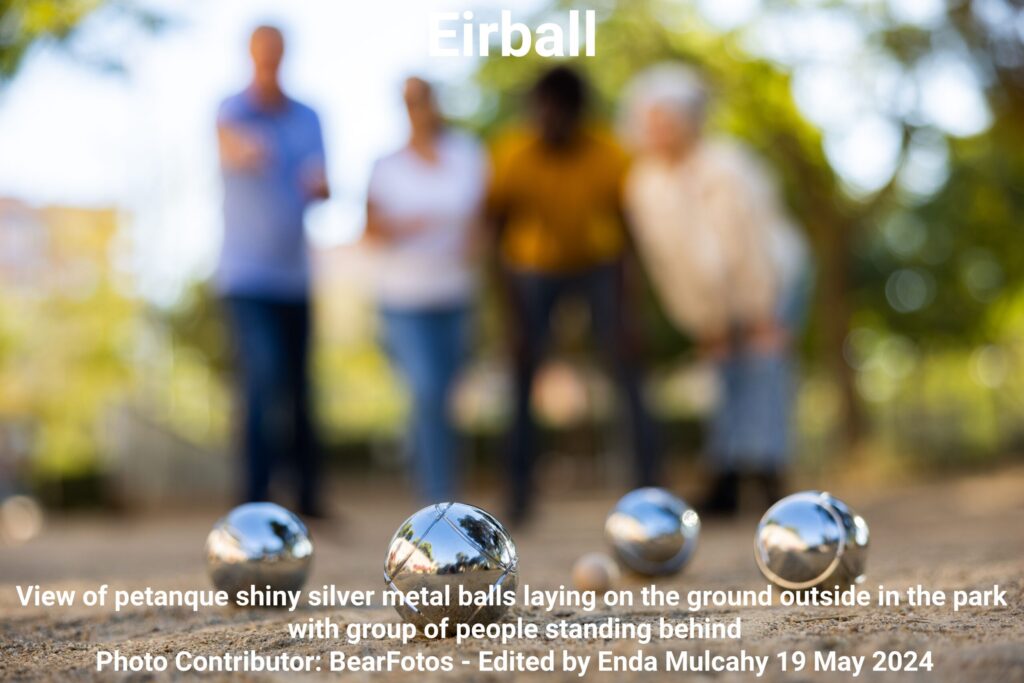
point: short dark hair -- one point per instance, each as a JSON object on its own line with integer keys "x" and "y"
{"x": 563, "y": 90}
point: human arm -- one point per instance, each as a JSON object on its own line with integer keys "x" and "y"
{"x": 381, "y": 230}
{"x": 240, "y": 149}
{"x": 314, "y": 168}
{"x": 743, "y": 210}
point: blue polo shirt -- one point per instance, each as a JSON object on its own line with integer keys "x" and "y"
{"x": 265, "y": 253}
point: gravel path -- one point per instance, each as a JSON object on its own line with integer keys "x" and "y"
{"x": 965, "y": 533}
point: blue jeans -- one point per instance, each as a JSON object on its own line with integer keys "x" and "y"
{"x": 534, "y": 298}
{"x": 429, "y": 347}
{"x": 750, "y": 430}
{"x": 271, "y": 348}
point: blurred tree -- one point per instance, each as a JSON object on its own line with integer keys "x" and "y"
{"x": 196, "y": 323}
{"x": 934, "y": 261}
{"x": 25, "y": 23}
{"x": 68, "y": 329}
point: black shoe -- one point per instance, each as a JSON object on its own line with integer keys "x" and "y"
{"x": 724, "y": 500}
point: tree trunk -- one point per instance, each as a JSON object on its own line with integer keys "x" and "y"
{"x": 834, "y": 301}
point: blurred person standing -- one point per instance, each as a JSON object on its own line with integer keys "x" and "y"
{"x": 272, "y": 159}
{"x": 729, "y": 267}
{"x": 423, "y": 206}
{"x": 555, "y": 200}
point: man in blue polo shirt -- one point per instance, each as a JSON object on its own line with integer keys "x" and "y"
{"x": 272, "y": 158}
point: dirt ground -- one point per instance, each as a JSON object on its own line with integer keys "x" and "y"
{"x": 955, "y": 533}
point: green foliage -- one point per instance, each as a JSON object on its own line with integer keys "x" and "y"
{"x": 195, "y": 324}
{"x": 25, "y": 23}
{"x": 959, "y": 245}
{"x": 67, "y": 342}
{"x": 358, "y": 396}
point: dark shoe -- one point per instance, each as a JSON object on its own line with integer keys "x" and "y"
{"x": 724, "y": 500}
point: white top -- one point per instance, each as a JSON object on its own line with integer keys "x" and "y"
{"x": 714, "y": 237}
{"x": 430, "y": 268}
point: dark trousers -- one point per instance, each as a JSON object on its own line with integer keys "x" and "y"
{"x": 534, "y": 298}
{"x": 271, "y": 345}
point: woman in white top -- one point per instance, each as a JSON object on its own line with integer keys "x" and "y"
{"x": 423, "y": 204}
{"x": 728, "y": 266}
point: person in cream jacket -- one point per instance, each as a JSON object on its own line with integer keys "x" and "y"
{"x": 728, "y": 266}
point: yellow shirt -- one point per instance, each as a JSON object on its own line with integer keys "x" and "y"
{"x": 561, "y": 209}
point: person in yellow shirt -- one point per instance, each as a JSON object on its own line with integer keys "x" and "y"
{"x": 556, "y": 201}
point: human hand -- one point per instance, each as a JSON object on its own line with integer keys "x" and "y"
{"x": 768, "y": 337}
{"x": 241, "y": 150}
{"x": 314, "y": 182}
{"x": 714, "y": 347}
{"x": 407, "y": 226}
{"x": 387, "y": 230}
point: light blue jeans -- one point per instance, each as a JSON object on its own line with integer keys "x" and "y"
{"x": 428, "y": 347}
{"x": 750, "y": 430}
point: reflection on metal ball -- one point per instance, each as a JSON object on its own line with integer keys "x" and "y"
{"x": 452, "y": 544}
{"x": 259, "y": 544}
{"x": 811, "y": 539}
{"x": 652, "y": 531}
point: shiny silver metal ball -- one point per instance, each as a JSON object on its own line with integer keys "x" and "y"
{"x": 259, "y": 544}
{"x": 451, "y": 545}
{"x": 652, "y": 531}
{"x": 811, "y": 539}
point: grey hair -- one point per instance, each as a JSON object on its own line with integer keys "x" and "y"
{"x": 672, "y": 85}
